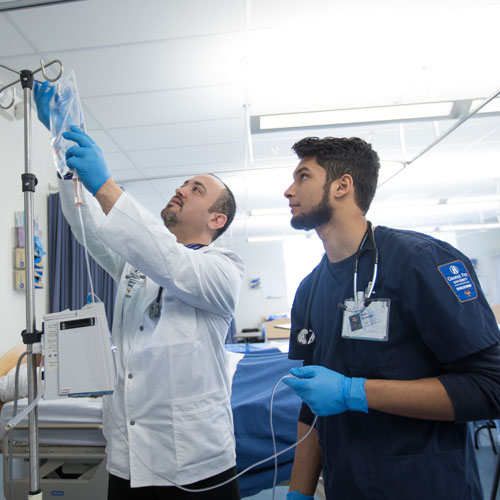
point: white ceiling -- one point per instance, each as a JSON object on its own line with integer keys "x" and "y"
{"x": 168, "y": 86}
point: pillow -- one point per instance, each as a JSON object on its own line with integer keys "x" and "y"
{"x": 7, "y": 384}
{"x": 9, "y": 359}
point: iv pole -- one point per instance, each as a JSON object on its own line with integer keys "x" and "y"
{"x": 30, "y": 335}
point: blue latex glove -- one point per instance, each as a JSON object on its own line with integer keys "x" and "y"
{"x": 327, "y": 392}
{"x": 39, "y": 247}
{"x": 87, "y": 159}
{"x": 295, "y": 495}
{"x": 43, "y": 92}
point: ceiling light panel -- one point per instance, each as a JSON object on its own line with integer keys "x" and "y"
{"x": 6, "y": 5}
{"x": 354, "y": 115}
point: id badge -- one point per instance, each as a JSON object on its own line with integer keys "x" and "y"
{"x": 366, "y": 323}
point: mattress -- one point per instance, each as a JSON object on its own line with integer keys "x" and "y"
{"x": 62, "y": 422}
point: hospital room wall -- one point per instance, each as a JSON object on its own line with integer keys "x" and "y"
{"x": 13, "y": 303}
{"x": 483, "y": 246}
{"x": 263, "y": 261}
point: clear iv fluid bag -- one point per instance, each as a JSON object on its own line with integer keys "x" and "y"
{"x": 65, "y": 110}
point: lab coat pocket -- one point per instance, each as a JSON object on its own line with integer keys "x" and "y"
{"x": 203, "y": 430}
{"x": 417, "y": 477}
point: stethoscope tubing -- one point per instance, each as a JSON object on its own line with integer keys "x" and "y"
{"x": 369, "y": 235}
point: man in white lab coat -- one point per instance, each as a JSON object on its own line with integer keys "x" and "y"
{"x": 169, "y": 421}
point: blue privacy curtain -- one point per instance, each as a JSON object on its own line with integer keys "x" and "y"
{"x": 68, "y": 278}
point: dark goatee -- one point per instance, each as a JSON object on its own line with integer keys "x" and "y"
{"x": 170, "y": 219}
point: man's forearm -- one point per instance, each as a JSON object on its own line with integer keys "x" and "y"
{"x": 307, "y": 462}
{"x": 425, "y": 398}
{"x": 108, "y": 194}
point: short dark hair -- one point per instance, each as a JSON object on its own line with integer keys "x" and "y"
{"x": 225, "y": 204}
{"x": 339, "y": 156}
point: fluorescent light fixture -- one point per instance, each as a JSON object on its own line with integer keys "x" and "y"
{"x": 283, "y": 237}
{"x": 456, "y": 227}
{"x": 258, "y": 212}
{"x": 423, "y": 229}
{"x": 488, "y": 199}
{"x": 262, "y": 239}
{"x": 375, "y": 114}
{"x": 25, "y": 4}
{"x": 473, "y": 199}
{"x": 492, "y": 107}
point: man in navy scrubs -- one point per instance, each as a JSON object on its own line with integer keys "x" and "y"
{"x": 400, "y": 347}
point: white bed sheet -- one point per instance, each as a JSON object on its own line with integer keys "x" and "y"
{"x": 74, "y": 411}
{"x": 86, "y": 411}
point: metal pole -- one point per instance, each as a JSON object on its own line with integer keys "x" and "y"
{"x": 30, "y": 335}
{"x": 454, "y": 127}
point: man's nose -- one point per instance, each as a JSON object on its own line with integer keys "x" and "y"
{"x": 289, "y": 192}
{"x": 180, "y": 192}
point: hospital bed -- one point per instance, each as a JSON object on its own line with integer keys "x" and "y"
{"x": 72, "y": 450}
{"x": 72, "y": 447}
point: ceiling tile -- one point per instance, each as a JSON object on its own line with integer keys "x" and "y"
{"x": 11, "y": 41}
{"x": 158, "y": 65}
{"x": 179, "y": 134}
{"x": 93, "y": 23}
{"x": 177, "y": 156}
{"x": 162, "y": 107}
{"x": 104, "y": 141}
{"x": 118, "y": 162}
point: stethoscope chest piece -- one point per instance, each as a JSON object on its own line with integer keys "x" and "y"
{"x": 154, "y": 309}
{"x": 303, "y": 334}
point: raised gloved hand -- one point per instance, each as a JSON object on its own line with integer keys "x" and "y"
{"x": 43, "y": 92}
{"x": 295, "y": 495}
{"x": 87, "y": 159}
{"x": 327, "y": 392}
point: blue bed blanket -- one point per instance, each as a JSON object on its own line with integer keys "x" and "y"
{"x": 254, "y": 379}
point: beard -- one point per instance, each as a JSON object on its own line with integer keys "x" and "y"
{"x": 317, "y": 216}
{"x": 170, "y": 219}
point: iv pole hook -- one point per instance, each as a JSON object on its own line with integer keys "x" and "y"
{"x": 11, "y": 101}
{"x": 42, "y": 68}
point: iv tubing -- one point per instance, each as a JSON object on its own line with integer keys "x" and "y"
{"x": 86, "y": 251}
{"x": 275, "y": 455}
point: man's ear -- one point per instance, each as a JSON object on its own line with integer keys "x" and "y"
{"x": 217, "y": 220}
{"x": 342, "y": 186}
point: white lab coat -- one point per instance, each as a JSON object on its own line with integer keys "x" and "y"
{"x": 172, "y": 400}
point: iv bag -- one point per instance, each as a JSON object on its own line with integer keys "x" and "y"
{"x": 65, "y": 110}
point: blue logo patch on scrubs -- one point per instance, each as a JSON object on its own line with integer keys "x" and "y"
{"x": 459, "y": 280}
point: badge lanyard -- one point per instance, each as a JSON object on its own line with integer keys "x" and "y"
{"x": 366, "y": 318}
{"x": 155, "y": 307}
{"x": 372, "y": 320}
{"x": 362, "y": 299}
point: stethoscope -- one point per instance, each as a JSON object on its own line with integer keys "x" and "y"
{"x": 306, "y": 335}
{"x": 371, "y": 284}
{"x": 155, "y": 307}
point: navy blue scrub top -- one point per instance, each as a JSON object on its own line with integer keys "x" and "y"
{"x": 435, "y": 318}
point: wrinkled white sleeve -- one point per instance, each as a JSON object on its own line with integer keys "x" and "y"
{"x": 209, "y": 279}
{"x": 92, "y": 216}
{"x": 8, "y": 384}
